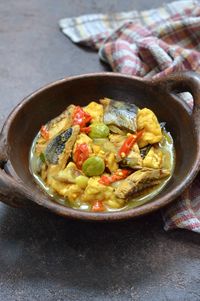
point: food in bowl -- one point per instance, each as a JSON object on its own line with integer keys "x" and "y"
{"x": 106, "y": 156}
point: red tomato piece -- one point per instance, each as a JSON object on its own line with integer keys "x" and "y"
{"x": 44, "y": 132}
{"x": 118, "y": 175}
{"x": 105, "y": 180}
{"x": 98, "y": 206}
{"x": 128, "y": 143}
{"x": 81, "y": 117}
{"x": 86, "y": 129}
{"x": 81, "y": 154}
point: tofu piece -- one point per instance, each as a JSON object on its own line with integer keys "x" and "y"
{"x": 148, "y": 121}
{"x": 111, "y": 162}
{"x": 95, "y": 110}
{"x": 73, "y": 192}
{"x": 96, "y": 191}
{"x": 153, "y": 158}
{"x": 69, "y": 174}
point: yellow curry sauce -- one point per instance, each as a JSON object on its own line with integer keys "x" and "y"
{"x": 106, "y": 156}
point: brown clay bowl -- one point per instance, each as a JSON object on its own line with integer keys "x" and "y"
{"x": 17, "y": 187}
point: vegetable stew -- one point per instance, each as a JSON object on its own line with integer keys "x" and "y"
{"x": 106, "y": 156}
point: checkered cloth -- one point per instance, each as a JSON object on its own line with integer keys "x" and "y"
{"x": 149, "y": 44}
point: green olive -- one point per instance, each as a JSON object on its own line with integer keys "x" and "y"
{"x": 93, "y": 166}
{"x": 99, "y": 130}
{"x": 82, "y": 181}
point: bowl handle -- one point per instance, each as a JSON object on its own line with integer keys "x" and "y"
{"x": 12, "y": 192}
{"x": 187, "y": 81}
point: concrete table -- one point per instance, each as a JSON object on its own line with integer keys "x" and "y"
{"x": 45, "y": 257}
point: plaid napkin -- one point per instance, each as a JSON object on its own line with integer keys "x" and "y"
{"x": 149, "y": 44}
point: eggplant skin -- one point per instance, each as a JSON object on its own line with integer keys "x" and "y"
{"x": 140, "y": 180}
{"x": 121, "y": 114}
{"x": 56, "y": 147}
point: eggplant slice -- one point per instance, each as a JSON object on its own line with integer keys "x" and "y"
{"x": 120, "y": 114}
{"x": 140, "y": 180}
{"x": 54, "y": 127}
{"x": 59, "y": 149}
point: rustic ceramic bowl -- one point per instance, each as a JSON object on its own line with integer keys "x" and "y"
{"x": 17, "y": 187}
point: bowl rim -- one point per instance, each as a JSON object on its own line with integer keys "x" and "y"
{"x": 60, "y": 209}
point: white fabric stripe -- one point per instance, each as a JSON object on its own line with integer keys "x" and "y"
{"x": 122, "y": 53}
{"x": 98, "y": 22}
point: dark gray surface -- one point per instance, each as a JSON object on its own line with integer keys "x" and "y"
{"x": 45, "y": 257}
